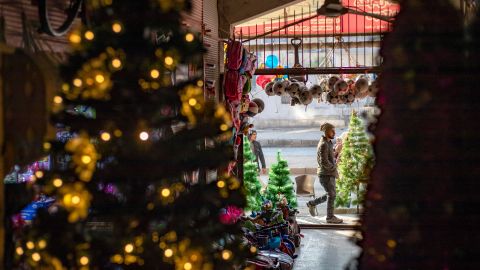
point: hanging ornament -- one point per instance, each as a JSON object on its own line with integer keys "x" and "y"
{"x": 350, "y": 98}
{"x": 260, "y": 104}
{"x": 361, "y": 85}
{"x": 373, "y": 89}
{"x": 279, "y": 87}
{"x": 263, "y": 80}
{"x": 269, "y": 89}
{"x": 295, "y": 101}
{"x": 293, "y": 89}
{"x": 341, "y": 87}
{"x": 306, "y": 97}
{"x": 316, "y": 91}
{"x": 252, "y": 109}
{"x": 331, "y": 82}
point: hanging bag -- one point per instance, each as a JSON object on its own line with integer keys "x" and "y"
{"x": 234, "y": 54}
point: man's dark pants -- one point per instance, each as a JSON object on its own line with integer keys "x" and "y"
{"x": 328, "y": 183}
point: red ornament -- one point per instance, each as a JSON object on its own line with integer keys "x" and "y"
{"x": 262, "y": 80}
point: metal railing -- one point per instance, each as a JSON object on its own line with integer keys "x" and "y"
{"x": 348, "y": 44}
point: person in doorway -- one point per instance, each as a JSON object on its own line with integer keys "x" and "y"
{"x": 327, "y": 172}
{"x": 257, "y": 151}
{"x": 337, "y": 149}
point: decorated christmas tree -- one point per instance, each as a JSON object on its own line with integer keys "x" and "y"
{"x": 422, "y": 201}
{"x": 250, "y": 179}
{"x": 280, "y": 183}
{"x": 356, "y": 162}
{"x": 123, "y": 200}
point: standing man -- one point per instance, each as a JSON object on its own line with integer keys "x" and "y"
{"x": 257, "y": 151}
{"x": 327, "y": 172}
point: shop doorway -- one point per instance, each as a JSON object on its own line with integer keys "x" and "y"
{"x": 335, "y": 61}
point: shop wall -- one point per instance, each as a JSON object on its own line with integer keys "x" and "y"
{"x": 214, "y": 48}
{"x": 12, "y": 14}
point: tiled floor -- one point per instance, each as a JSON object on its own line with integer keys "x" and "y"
{"x": 326, "y": 250}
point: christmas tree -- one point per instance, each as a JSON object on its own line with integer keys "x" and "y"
{"x": 356, "y": 162}
{"x": 122, "y": 198}
{"x": 422, "y": 198}
{"x": 280, "y": 183}
{"x": 250, "y": 179}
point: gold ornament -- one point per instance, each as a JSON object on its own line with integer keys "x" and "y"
{"x": 76, "y": 200}
{"x": 93, "y": 80}
{"x": 192, "y": 98}
{"x": 84, "y": 156}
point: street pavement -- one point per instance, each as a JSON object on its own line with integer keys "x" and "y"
{"x": 297, "y": 157}
{"x": 292, "y": 137}
{"x": 326, "y": 250}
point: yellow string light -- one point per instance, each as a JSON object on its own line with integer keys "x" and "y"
{"x": 89, "y": 81}
{"x": 99, "y": 78}
{"x": 75, "y": 38}
{"x": 116, "y": 27}
{"x": 221, "y": 184}
{"x": 47, "y": 146}
{"x": 42, "y": 244}
{"x": 19, "y": 251}
{"x": 84, "y": 260}
{"x": 36, "y": 257}
{"x": 117, "y": 258}
{"x": 143, "y": 136}
{"x": 65, "y": 87}
{"x": 200, "y": 83}
{"x": 30, "y": 245}
{"x": 39, "y": 174}
{"x": 192, "y": 102}
{"x": 116, "y": 63}
{"x": 77, "y": 82}
{"x": 89, "y": 35}
{"x": 391, "y": 243}
{"x": 150, "y": 206}
{"x": 168, "y": 60}
{"x": 57, "y": 100}
{"x": 86, "y": 159}
{"x": 226, "y": 254}
{"x": 105, "y": 136}
{"x": 168, "y": 253}
{"x": 187, "y": 266}
{"x": 165, "y": 192}
{"x": 75, "y": 199}
{"x": 117, "y": 133}
{"x": 154, "y": 73}
{"x": 189, "y": 37}
{"x": 128, "y": 248}
{"x": 57, "y": 182}
{"x": 223, "y": 127}
{"x": 253, "y": 249}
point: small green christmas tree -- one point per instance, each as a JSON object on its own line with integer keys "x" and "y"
{"x": 250, "y": 179}
{"x": 356, "y": 162}
{"x": 280, "y": 182}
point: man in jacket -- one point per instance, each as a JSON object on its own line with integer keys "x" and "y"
{"x": 257, "y": 151}
{"x": 327, "y": 172}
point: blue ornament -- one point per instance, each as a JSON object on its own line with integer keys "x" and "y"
{"x": 271, "y": 61}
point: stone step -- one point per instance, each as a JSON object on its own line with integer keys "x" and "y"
{"x": 301, "y": 171}
{"x": 288, "y": 143}
{"x": 298, "y": 123}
